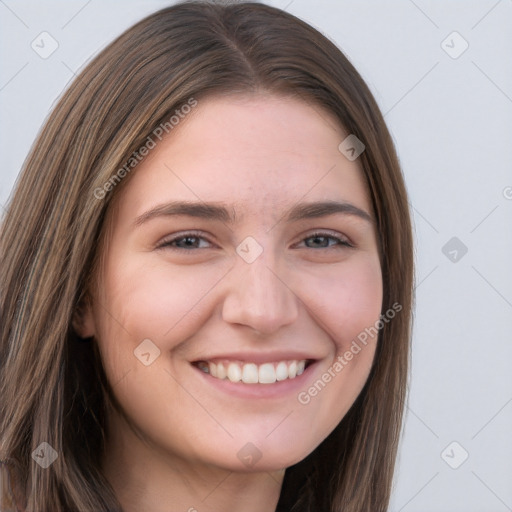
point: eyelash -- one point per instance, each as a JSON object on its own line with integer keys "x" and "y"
{"x": 166, "y": 244}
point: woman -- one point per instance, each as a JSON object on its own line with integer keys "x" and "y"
{"x": 207, "y": 279}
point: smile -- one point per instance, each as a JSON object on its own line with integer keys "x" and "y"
{"x": 251, "y": 373}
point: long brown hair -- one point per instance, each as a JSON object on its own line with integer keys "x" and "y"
{"x": 52, "y": 385}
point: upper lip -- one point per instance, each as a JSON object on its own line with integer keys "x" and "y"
{"x": 260, "y": 357}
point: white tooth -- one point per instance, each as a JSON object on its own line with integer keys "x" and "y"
{"x": 221, "y": 371}
{"x": 300, "y": 367}
{"x": 234, "y": 372}
{"x": 213, "y": 369}
{"x": 282, "y": 371}
{"x": 292, "y": 370}
{"x": 267, "y": 374}
{"x": 250, "y": 373}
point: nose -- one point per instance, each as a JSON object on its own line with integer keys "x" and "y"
{"x": 260, "y": 298}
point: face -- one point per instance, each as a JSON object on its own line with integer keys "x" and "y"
{"x": 226, "y": 325}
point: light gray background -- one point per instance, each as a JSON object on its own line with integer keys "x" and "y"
{"x": 451, "y": 119}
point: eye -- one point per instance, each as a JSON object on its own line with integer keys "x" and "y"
{"x": 194, "y": 240}
{"x": 184, "y": 242}
{"x": 322, "y": 240}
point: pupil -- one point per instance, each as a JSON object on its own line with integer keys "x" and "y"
{"x": 189, "y": 240}
{"x": 319, "y": 239}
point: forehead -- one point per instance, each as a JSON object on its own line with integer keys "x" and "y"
{"x": 260, "y": 153}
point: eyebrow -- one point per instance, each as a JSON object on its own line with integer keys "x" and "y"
{"x": 220, "y": 212}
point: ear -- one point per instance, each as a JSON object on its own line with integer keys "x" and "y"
{"x": 83, "y": 319}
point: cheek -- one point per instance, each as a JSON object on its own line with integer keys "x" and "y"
{"x": 158, "y": 302}
{"x": 347, "y": 301}
{"x": 167, "y": 306}
{"x": 347, "y": 305}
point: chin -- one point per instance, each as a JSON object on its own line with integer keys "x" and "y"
{"x": 260, "y": 454}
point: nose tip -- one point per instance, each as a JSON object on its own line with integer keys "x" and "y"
{"x": 260, "y": 298}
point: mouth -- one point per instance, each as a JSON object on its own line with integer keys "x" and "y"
{"x": 238, "y": 371}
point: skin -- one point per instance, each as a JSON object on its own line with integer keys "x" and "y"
{"x": 175, "y": 445}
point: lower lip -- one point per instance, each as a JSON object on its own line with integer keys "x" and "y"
{"x": 278, "y": 389}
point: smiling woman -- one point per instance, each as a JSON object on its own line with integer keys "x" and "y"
{"x": 225, "y": 325}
